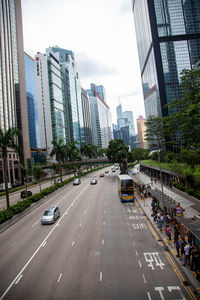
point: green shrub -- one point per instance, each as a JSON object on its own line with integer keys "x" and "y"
{"x": 5, "y": 215}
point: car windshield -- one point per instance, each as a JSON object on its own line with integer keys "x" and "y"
{"x": 48, "y": 213}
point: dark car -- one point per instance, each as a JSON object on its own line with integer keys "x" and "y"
{"x": 102, "y": 175}
{"x": 25, "y": 194}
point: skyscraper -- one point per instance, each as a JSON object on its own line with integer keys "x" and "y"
{"x": 13, "y": 106}
{"x": 101, "y": 120}
{"x": 141, "y": 127}
{"x": 31, "y": 101}
{"x": 86, "y": 117}
{"x": 168, "y": 38}
{"x": 72, "y": 87}
{"x": 50, "y": 100}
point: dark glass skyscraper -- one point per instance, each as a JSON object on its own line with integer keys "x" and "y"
{"x": 168, "y": 38}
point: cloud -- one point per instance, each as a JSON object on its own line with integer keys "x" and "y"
{"x": 125, "y": 7}
{"x": 93, "y": 68}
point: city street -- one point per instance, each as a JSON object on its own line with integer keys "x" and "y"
{"x": 99, "y": 248}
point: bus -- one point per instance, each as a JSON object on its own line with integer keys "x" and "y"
{"x": 126, "y": 188}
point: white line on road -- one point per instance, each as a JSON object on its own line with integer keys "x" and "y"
{"x": 104, "y": 211}
{"x": 44, "y": 244}
{"x": 35, "y": 223}
{"x": 144, "y": 278}
{"x": 17, "y": 281}
{"x": 37, "y": 250}
{"x": 84, "y": 211}
{"x": 100, "y": 277}
{"x": 148, "y": 295}
{"x": 80, "y": 224}
{"x": 59, "y": 277}
{"x": 133, "y": 243}
{"x": 73, "y": 243}
{"x": 140, "y": 264}
{"x": 104, "y": 223}
{"x": 136, "y": 252}
{"x": 102, "y": 242}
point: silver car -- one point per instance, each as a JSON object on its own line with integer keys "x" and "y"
{"x": 76, "y": 181}
{"x": 50, "y": 215}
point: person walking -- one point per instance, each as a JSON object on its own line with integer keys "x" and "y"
{"x": 159, "y": 224}
{"x": 177, "y": 245}
{"x": 187, "y": 254}
{"x": 169, "y": 232}
{"x": 182, "y": 245}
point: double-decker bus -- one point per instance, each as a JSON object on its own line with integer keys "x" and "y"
{"x": 126, "y": 188}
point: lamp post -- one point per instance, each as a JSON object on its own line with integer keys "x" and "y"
{"x": 161, "y": 181}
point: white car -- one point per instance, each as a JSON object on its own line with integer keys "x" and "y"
{"x": 50, "y": 215}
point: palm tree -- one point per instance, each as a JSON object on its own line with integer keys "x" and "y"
{"x": 59, "y": 151}
{"x": 38, "y": 172}
{"x": 72, "y": 153}
{"x": 8, "y": 140}
{"x": 24, "y": 175}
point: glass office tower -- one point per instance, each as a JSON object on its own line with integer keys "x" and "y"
{"x": 72, "y": 87}
{"x": 168, "y": 38}
{"x": 13, "y": 107}
{"x": 31, "y": 101}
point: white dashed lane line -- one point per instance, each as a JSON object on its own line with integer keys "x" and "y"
{"x": 101, "y": 277}
{"x": 140, "y": 264}
{"x": 59, "y": 277}
{"x": 136, "y": 252}
{"x": 144, "y": 278}
{"x": 19, "y": 278}
{"x": 73, "y": 243}
{"x": 102, "y": 242}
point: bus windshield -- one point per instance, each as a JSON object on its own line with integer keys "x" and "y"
{"x": 126, "y": 184}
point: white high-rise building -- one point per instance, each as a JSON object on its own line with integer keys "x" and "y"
{"x": 101, "y": 122}
{"x": 51, "y": 112}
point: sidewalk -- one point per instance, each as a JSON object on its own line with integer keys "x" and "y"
{"x": 189, "y": 213}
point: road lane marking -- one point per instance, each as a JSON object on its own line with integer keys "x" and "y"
{"x": 73, "y": 243}
{"x": 35, "y": 223}
{"x": 44, "y": 244}
{"x": 133, "y": 243}
{"x": 102, "y": 242}
{"x": 100, "y": 277}
{"x": 80, "y": 224}
{"x": 104, "y": 211}
{"x": 20, "y": 277}
{"x": 148, "y": 295}
{"x": 140, "y": 264}
{"x": 144, "y": 278}
{"x": 104, "y": 223}
{"x": 136, "y": 252}
{"x": 59, "y": 277}
{"x": 40, "y": 246}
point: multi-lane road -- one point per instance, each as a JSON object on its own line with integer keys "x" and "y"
{"x": 98, "y": 249}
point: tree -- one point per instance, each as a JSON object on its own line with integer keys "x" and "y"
{"x": 24, "y": 175}
{"x": 101, "y": 152}
{"x": 60, "y": 152}
{"x": 72, "y": 153}
{"x": 87, "y": 150}
{"x": 38, "y": 173}
{"x": 8, "y": 139}
{"x": 186, "y": 111}
{"x": 139, "y": 154}
{"x": 117, "y": 152}
{"x": 155, "y": 132}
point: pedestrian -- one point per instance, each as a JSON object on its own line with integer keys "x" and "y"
{"x": 155, "y": 216}
{"x": 177, "y": 248}
{"x": 155, "y": 179}
{"x": 182, "y": 245}
{"x": 187, "y": 254}
{"x": 162, "y": 218}
{"x": 159, "y": 224}
{"x": 151, "y": 181}
{"x": 176, "y": 233}
{"x": 169, "y": 232}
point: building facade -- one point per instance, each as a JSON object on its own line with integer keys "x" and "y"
{"x": 31, "y": 101}
{"x": 50, "y": 100}
{"x": 141, "y": 127}
{"x": 13, "y": 106}
{"x": 86, "y": 117}
{"x": 168, "y": 38}
{"x": 72, "y": 88}
{"x": 101, "y": 120}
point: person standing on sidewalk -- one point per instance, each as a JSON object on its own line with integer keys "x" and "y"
{"x": 169, "y": 232}
{"x": 187, "y": 254}
{"x": 159, "y": 224}
{"x": 177, "y": 248}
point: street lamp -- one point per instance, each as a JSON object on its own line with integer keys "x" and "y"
{"x": 161, "y": 181}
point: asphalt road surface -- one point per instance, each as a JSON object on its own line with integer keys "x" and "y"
{"x": 98, "y": 249}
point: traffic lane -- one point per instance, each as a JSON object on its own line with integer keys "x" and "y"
{"x": 156, "y": 272}
{"x": 21, "y": 240}
{"x": 69, "y": 259}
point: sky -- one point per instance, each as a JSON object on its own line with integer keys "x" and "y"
{"x": 101, "y": 34}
